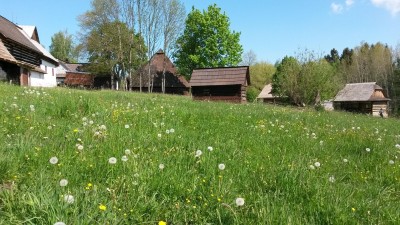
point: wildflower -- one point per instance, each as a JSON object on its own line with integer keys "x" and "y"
{"x": 345, "y": 160}
{"x": 331, "y": 179}
{"x": 102, "y": 207}
{"x": 162, "y": 223}
{"x": 198, "y": 153}
{"x": 126, "y": 126}
{"x": 391, "y": 162}
{"x": 63, "y": 182}
{"x": 317, "y": 164}
{"x": 221, "y": 166}
{"x": 167, "y": 131}
{"x": 69, "y": 199}
{"x": 124, "y": 158}
{"x": 53, "y": 160}
{"x": 210, "y": 148}
{"x": 112, "y": 160}
{"x": 367, "y": 149}
{"x": 312, "y": 167}
{"x": 353, "y": 209}
{"x": 397, "y": 146}
{"x": 76, "y": 130}
{"x": 80, "y": 147}
{"x": 239, "y": 201}
{"x": 59, "y": 223}
{"x": 172, "y": 130}
{"x": 159, "y": 135}
{"x": 161, "y": 166}
{"x": 127, "y": 152}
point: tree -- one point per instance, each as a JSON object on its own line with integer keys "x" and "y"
{"x": 261, "y": 74}
{"x": 207, "y": 42}
{"x": 173, "y": 13}
{"x": 249, "y": 58}
{"x": 62, "y": 47}
{"x": 112, "y": 46}
{"x": 305, "y": 79}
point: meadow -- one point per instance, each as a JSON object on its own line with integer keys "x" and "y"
{"x": 104, "y": 157}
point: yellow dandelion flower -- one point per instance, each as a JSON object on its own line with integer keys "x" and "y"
{"x": 76, "y": 130}
{"x": 102, "y": 207}
{"x": 162, "y": 223}
{"x": 353, "y": 209}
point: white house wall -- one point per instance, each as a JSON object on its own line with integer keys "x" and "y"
{"x": 44, "y": 80}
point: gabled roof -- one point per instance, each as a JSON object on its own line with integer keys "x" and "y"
{"x": 172, "y": 78}
{"x": 266, "y": 92}
{"x": 37, "y": 44}
{"x": 13, "y": 32}
{"x": 360, "y": 92}
{"x": 220, "y": 76}
{"x": 31, "y": 31}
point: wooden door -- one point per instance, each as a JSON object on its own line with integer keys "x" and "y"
{"x": 24, "y": 77}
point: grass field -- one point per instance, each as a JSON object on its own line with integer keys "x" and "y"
{"x": 106, "y": 157}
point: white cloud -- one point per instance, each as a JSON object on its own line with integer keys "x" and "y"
{"x": 336, "y": 8}
{"x": 349, "y": 2}
{"x": 393, "y": 6}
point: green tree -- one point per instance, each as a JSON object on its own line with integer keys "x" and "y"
{"x": 62, "y": 47}
{"x": 207, "y": 42}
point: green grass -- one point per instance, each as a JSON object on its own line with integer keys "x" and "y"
{"x": 268, "y": 152}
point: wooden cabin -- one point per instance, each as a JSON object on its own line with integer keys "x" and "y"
{"x": 366, "y": 98}
{"x": 23, "y": 61}
{"x": 266, "y": 96}
{"x": 174, "y": 83}
{"x": 220, "y": 84}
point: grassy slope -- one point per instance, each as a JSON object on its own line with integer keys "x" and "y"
{"x": 267, "y": 152}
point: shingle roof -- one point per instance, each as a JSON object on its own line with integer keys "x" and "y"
{"x": 359, "y": 92}
{"x": 5, "y": 54}
{"x": 266, "y": 92}
{"x": 13, "y": 32}
{"x": 220, "y": 76}
{"x": 172, "y": 78}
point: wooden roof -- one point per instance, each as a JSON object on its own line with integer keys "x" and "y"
{"x": 13, "y": 32}
{"x": 266, "y": 92}
{"x": 361, "y": 92}
{"x": 172, "y": 78}
{"x": 220, "y": 76}
{"x": 5, "y": 54}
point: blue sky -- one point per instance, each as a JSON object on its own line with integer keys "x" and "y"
{"x": 272, "y": 29}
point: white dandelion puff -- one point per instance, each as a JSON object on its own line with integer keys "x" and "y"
{"x": 239, "y": 201}
{"x": 63, "y": 182}
{"x": 161, "y": 166}
{"x": 210, "y": 148}
{"x": 331, "y": 179}
{"x": 69, "y": 199}
{"x": 53, "y": 160}
{"x": 198, "y": 153}
{"x": 221, "y": 166}
{"x": 112, "y": 160}
{"x": 317, "y": 164}
{"x": 124, "y": 158}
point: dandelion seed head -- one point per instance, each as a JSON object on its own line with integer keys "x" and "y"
{"x": 112, "y": 160}
{"x": 317, "y": 164}
{"x": 126, "y": 126}
{"x": 391, "y": 162}
{"x": 198, "y": 153}
{"x": 53, "y": 160}
{"x": 59, "y": 223}
{"x": 210, "y": 148}
{"x": 367, "y": 149}
{"x": 345, "y": 160}
{"x": 161, "y": 166}
{"x": 124, "y": 158}
{"x": 331, "y": 179}
{"x": 63, "y": 182}
{"x": 239, "y": 201}
{"x": 69, "y": 199}
{"x": 221, "y": 166}
{"x": 127, "y": 151}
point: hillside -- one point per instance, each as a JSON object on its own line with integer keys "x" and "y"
{"x": 106, "y": 157}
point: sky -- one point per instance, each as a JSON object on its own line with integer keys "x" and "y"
{"x": 272, "y": 29}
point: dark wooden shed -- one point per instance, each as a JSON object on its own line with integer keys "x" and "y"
{"x": 174, "y": 83}
{"x": 220, "y": 84}
{"x": 366, "y": 98}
